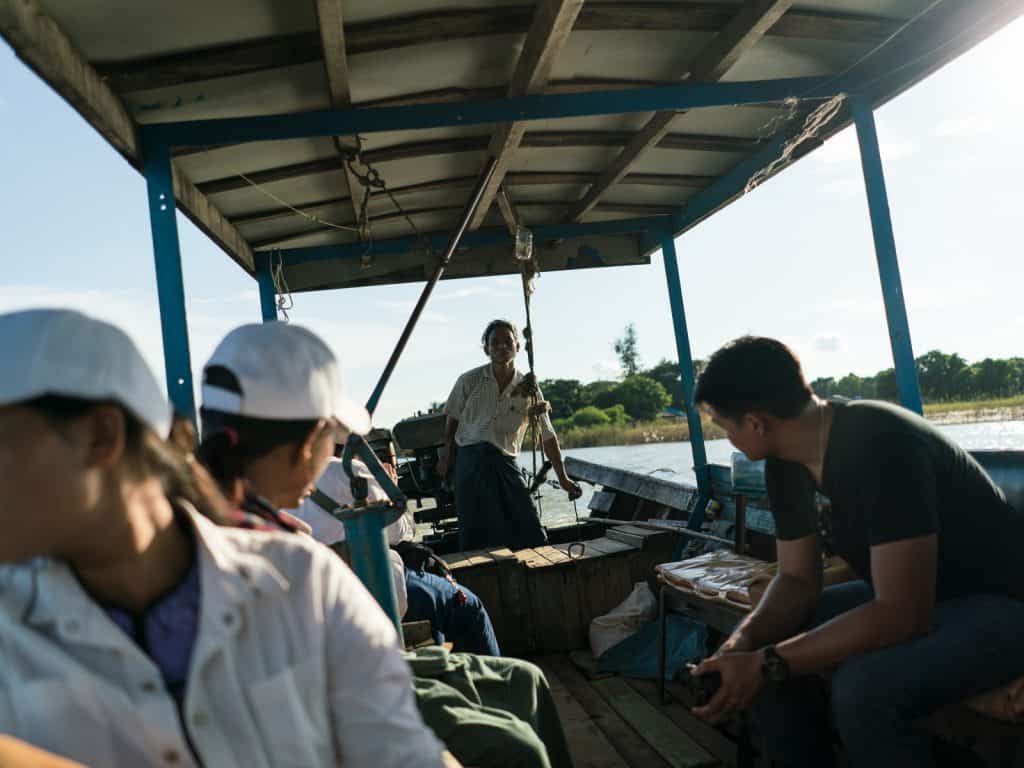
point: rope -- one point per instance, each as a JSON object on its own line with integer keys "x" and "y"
{"x": 308, "y": 216}
{"x": 285, "y": 302}
{"x": 523, "y": 253}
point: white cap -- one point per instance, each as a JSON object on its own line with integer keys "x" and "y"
{"x": 63, "y": 352}
{"x": 283, "y": 371}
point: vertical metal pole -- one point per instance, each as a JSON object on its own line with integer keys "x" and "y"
{"x": 268, "y": 294}
{"x": 675, "y": 297}
{"x": 885, "y": 252}
{"x": 366, "y": 544}
{"x": 169, "y": 286}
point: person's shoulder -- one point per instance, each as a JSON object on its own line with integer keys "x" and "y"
{"x": 292, "y": 554}
{"x": 475, "y": 373}
{"x": 882, "y": 429}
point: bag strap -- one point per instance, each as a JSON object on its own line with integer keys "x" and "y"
{"x": 325, "y": 502}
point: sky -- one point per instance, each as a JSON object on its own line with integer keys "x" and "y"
{"x": 794, "y": 259}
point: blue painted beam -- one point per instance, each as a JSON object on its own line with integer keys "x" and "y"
{"x": 507, "y": 110}
{"x": 268, "y": 292}
{"x": 480, "y": 238}
{"x": 726, "y": 187}
{"x": 885, "y": 253}
{"x": 682, "y": 334}
{"x": 169, "y": 285}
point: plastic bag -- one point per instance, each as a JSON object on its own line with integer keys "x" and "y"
{"x": 623, "y": 620}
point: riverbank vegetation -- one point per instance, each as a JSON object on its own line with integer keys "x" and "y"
{"x": 648, "y": 405}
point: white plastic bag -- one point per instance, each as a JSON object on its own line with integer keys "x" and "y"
{"x": 623, "y": 620}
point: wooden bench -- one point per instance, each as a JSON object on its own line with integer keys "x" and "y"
{"x": 542, "y": 600}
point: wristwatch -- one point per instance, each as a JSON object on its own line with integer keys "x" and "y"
{"x": 774, "y": 668}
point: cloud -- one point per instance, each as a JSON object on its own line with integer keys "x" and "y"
{"x": 961, "y": 127}
{"x": 828, "y": 343}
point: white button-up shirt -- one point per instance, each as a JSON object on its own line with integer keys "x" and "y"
{"x": 294, "y": 665}
{"x": 486, "y": 415}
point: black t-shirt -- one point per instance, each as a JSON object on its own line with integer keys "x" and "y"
{"x": 890, "y": 475}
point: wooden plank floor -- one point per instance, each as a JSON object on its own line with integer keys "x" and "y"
{"x": 614, "y": 722}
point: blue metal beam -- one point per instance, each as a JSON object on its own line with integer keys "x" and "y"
{"x": 885, "y": 252}
{"x": 675, "y": 298}
{"x": 727, "y": 186}
{"x": 268, "y": 293}
{"x": 480, "y": 238}
{"x": 507, "y": 110}
{"x": 169, "y": 285}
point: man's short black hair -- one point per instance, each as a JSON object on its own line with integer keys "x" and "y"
{"x": 754, "y": 373}
{"x": 495, "y": 325}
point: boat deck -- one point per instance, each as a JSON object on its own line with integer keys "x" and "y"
{"x": 616, "y": 722}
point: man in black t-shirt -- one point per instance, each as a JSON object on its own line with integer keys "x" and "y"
{"x": 938, "y": 612}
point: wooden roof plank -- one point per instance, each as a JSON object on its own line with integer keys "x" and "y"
{"x": 233, "y": 59}
{"x": 742, "y": 32}
{"x": 549, "y": 31}
{"x": 420, "y": 149}
{"x": 332, "y": 42}
{"x": 42, "y": 44}
{"x": 525, "y": 178}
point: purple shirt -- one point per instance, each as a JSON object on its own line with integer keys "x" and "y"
{"x": 167, "y": 630}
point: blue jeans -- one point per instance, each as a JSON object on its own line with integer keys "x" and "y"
{"x": 460, "y": 620}
{"x": 878, "y": 698}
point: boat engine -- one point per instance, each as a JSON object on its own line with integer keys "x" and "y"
{"x": 421, "y": 439}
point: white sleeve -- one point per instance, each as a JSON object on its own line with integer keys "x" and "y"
{"x": 398, "y": 574}
{"x": 373, "y": 710}
{"x": 457, "y": 399}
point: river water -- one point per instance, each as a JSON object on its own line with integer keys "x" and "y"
{"x": 673, "y": 461}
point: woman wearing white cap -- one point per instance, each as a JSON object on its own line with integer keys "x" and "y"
{"x": 134, "y": 631}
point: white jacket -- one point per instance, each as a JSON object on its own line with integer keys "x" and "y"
{"x": 294, "y": 665}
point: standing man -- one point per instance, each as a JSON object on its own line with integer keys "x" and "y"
{"x": 488, "y": 412}
{"x": 938, "y": 613}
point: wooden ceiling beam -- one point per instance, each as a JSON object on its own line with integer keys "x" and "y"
{"x": 521, "y": 179}
{"x": 549, "y": 31}
{"x": 541, "y": 140}
{"x": 332, "y": 42}
{"x": 633, "y": 209}
{"x": 164, "y": 71}
{"x": 739, "y": 35}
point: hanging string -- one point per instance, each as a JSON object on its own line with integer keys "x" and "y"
{"x": 285, "y": 302}
{"x": 813, "y": 125}
{"x": 308, "y": 216}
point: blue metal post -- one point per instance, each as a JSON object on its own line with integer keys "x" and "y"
{"x": 885, "y": 252}
{"x": 368, "y": 547}
{"x": 169, "y": 285}
{"x": 268, "y": 293}
{"x": 675, "y": 297}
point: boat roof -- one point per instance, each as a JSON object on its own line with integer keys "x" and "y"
{"x": 126, "y": 64}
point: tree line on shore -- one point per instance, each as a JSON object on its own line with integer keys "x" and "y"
{"x": 644, "y": 394}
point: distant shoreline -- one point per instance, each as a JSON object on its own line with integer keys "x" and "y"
{"x": 677, "y": 430}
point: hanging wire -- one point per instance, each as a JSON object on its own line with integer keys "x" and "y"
{"x": 285, "y": 302}
{"x": 308, "y": 216}
{"x": 824, "y": 114}
{"x": 813, "y": 125}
